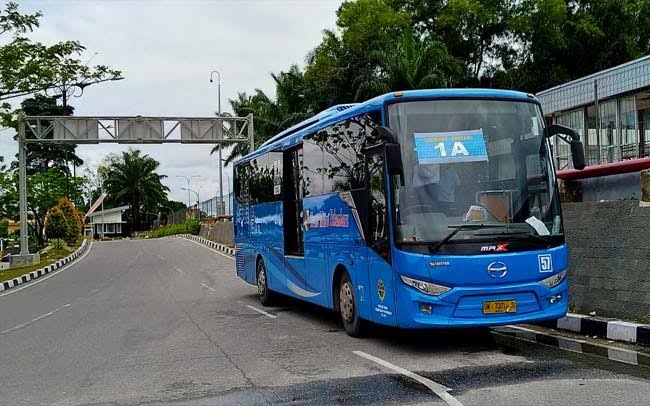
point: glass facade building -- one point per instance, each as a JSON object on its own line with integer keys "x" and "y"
{"x": 609, "y": 109}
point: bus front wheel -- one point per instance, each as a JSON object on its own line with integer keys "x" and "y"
{"x": 352, "y": 323}
{"x": 263, "y": 292}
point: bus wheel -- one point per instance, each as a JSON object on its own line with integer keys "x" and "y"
{"x": 263, "y": 292}
{"x": 354, "y": 325}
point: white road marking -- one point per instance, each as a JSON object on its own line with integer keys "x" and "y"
{"x": 208, "y": 288}
{"x": 42, "y": 316}
{"x": 440, "y": 390}
{"x": 179, "y": 270}
{"x": 262, "y": 312}
{"x": 160, "y": 257}
{"x": 211, "y": 249}
{"x": 51, "y": 274}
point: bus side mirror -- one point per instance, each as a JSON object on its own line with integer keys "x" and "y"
{"x": 394, "y": 161}
{"x": 571, "y": 137}
{"x": 578, "y": 154}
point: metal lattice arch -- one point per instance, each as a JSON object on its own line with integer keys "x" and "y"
{"x": 122, "y": 130}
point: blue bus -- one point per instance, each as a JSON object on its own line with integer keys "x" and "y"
{"x": 415, "y": 209}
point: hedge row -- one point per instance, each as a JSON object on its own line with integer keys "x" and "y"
{"x": 189, "y": 227}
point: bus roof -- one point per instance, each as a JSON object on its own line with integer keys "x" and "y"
{"x": 295, "y": 134}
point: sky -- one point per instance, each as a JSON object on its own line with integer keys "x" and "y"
{"x": 166, "y": 50}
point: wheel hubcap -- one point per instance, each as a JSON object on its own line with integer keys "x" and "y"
{"x": 346, "y": 302}
{"x": 261, "y": 282}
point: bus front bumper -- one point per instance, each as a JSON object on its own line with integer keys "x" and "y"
{"x": 463, "y": 306}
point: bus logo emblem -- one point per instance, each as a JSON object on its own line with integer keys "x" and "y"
{"x": 381, "y": 290}
{"x": 497, "y": 269}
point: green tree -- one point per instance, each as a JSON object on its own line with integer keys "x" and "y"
{"x": 175, "y": 206}
{"x": 72, "y": 218}
{"x": 476, "y": 33}
{"x": 411, "y": 64}
{"x": 384, "y": 45}
{"x": 44, "y": 189}
{"x": 271, "y": 116}
{"x": 4, "y": 228}
{"x": 43, "y": 156}
{"x": 27, "y": 67}
{"x": 563, "y": 40}
{"x": 56, "y": 223}
{"x": 335, "y": 66}
{"x": 7, "y": 195}
{"x": 133, "y": 180}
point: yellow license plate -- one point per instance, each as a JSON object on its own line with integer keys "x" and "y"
{"x": 500, "y": 306}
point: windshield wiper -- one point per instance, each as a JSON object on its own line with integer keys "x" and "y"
{"x": 542, "y": 238}
{"x": 458, "y": 228}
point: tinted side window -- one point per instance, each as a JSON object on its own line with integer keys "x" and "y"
{"x": 242, "y": 178}
{"x": 312, "y": 177}
{"x": 333, "y": 157}
{"x": 274, "y": 170}
{"x": 265, "y": 178}
{"x": 257, "y": 182}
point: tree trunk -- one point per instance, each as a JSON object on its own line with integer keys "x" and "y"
{"x": 135, "y": 212}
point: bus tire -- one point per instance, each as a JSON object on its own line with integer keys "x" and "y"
{"x": 263, "y": 292}
{"x": 353, "y": 324}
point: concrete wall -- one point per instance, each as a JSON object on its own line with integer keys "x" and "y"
{"x": 611, "y": 187}
{"x": 222, "y": 232}
{"x": 609, "y": 245}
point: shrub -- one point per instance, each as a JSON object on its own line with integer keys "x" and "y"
{"x": 72, "y": 216}
{"x": 193, "y": 226}
{"x": 189, "y": 227}
{"x": 56, "y": 225}
{"x": 4, "y": 229}
{"x": 57, "y": 244}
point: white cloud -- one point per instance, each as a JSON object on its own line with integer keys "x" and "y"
{"x": 166, "y": 50}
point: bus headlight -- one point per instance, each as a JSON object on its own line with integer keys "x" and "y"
{"x": 554, "y": 280}
{"x": 425, "y": 287}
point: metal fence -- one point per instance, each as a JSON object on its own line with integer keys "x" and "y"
{"x": 204, "y": 210}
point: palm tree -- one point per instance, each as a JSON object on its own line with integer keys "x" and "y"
{"x": 133, "y": 180}
{"x": 414, "y": 63}
{"x": 270, "y": 117}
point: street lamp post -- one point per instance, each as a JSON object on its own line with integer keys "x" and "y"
{"x": 198, "y": 198}
{"x": 220, "y": 161}
{"x": 218, "y": 89}
{"x": 188, "y": 179}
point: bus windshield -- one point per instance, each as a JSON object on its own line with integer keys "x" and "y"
{"x": 481, "y": 162}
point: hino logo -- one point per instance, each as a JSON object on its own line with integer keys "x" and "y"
{"x": 497, "y": 270}
{"x": 503, "y": 247}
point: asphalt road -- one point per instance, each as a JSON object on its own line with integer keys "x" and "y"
{"x": 166, "y": 322}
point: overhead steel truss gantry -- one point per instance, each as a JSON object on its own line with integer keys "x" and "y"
{"x": 121, "y": 130}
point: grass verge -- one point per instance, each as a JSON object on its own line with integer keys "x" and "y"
{"x": 48, "y": 258}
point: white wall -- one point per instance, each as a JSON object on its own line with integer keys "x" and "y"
{"x": 114, "y": 217}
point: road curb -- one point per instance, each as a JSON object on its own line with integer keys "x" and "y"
{"x": 602, "y": 327}
{"x": 8, "y": 284}
{"x": 573, "y": 345}
{"x": 219, "y": 247}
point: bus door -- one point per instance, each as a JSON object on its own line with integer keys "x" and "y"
{"x": 380, "y": 271}
{"x": 242, "y": 223}
{"x": 294, "y": 247}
